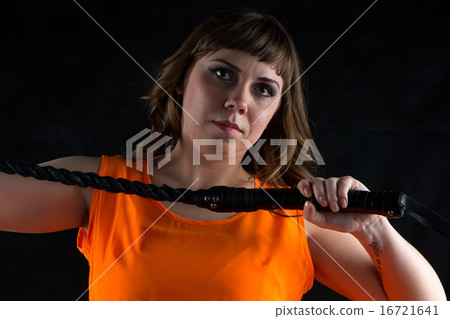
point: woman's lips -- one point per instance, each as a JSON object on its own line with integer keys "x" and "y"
{"x": 227, "y": 126}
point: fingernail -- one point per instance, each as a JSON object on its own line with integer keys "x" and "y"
{"x": 307, "y": 192}
{"x": 306, "y": 206}
{"x": 323, "y": 201}
{"x": 334, "y": 206}
{"x": 343, "y": 203}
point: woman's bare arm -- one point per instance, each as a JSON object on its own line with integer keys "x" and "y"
{"x": 361, "y": 256}
{"x": 374, "y": 263}
{"x": 28, "y": 205}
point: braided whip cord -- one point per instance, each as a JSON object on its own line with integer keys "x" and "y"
{"x": 217, "y": 198}
{"x": 107, "y": 183}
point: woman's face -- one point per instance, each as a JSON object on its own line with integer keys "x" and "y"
{"x": 231, "y": 95}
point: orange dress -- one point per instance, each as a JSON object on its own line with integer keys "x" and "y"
{"x": 139, "y": 251}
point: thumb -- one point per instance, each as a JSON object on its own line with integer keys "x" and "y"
{"x": 311, "y": 214}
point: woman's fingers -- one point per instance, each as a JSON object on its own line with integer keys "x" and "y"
{"x": 331, "y": 185}
{"x": 304, "y": 187}
{"x": 345, "y": 183}
{"x": 332, "y": 192}
{"x": 319, "y": 190}
{"x": 314, "y": 187}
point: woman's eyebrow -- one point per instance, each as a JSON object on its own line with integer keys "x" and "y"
{"x": 269, "y": 80}
{"x": 239, "y": 70}
{"x": 228, "y": 63}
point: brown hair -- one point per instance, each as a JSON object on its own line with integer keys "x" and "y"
{"x": 259, "y": 35}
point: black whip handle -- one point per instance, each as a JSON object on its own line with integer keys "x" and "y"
{"x": 226, "y": 199}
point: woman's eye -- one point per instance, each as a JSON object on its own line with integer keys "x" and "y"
{"x": 221, "y": 74}
{"x": 266, "y": 91}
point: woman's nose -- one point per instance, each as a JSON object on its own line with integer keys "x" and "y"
{"x": 238, "y": 100}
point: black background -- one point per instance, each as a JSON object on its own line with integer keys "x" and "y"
{"x": 377, "y": 99}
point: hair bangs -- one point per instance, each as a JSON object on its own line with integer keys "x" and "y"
{"x": 259, "y": 35}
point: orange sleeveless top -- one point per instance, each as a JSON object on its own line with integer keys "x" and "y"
{"x": 139, "y": 251}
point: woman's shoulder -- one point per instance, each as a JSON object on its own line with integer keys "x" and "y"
{"x": 89, "y": 163}
{"x": 76, "y": 163}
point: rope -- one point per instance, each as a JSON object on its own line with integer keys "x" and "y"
{"x": 107, "y": 183}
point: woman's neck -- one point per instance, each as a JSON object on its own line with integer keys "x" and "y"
{"x": 183, "y": 170}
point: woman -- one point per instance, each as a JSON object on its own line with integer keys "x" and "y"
{"x": 234, "y": 80}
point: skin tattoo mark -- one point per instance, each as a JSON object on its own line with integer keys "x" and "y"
{"x": 377, "y": 251}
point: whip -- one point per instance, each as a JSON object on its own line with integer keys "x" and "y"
{"x": 391, "y": 204}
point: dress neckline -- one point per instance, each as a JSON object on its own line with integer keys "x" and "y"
{"x": 166, "y": 212}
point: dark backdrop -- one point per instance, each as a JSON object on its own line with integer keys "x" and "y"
{"x": 377, "y": 102}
